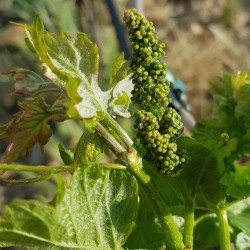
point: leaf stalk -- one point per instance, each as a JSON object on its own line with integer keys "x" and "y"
{"x": 189, "y": 203}
{"x": 117, "y": 131}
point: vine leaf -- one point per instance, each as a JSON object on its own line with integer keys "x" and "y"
{"x": 74, "y": 63}
{"x": 121, "y": 82}
{"x": 237, "y": 182}
{"x": 67, "y": 156}
{"x": 98, "y": 211}
{"x": 121, "y": 95}
{"x": 231, "y": 94}
{"x": 101, "y": 207}
{"x": 120, "y": 70}
{"x": 28, "y": 224}
{"x": 207, "y": 226}
{"x": 204, "y": 171}
{"x": 27, "y": 83}
{"x": 28, "y": 127}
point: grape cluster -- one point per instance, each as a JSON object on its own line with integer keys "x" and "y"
{"x": 157, "y": 126}
{"x": 150, "y": 85}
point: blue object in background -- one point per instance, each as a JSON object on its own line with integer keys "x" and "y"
{"x": 179, "y": 100}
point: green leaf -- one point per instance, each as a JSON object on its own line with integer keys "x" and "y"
{"x": 206, "y": 233}
{"x": 204, "y": 171}
{"x": 208, "y": 132}
{"x": 242, "y": 242}
{"x": 121, "y": 98}
{"x": 168, "y": 188}
{"x": 74, "y": 63}
{"x": 147, "y": 233}
{"x": 28, "y": 127}
{"x": 61, "y": 189}
{"x": 98, "y": 211}
{"x": 120, "y": 70}
{"x": 28, "y": 224}
{"x": 106, "y": 201}
{"x": 237, "y": 182}
{"x": 67, "y": 156}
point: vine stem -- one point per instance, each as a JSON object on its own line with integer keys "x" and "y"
{"x": 224, "y": 229}
{"x": 133, "y": 162}
{"x": 189, "y": 224}
{"x": 188, "y": 213}
{"x": 171, "y": 232}
{"x": 37, "y": 169}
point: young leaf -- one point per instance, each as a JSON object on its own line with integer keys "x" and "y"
{"x": 120, "y": 100}
{"x": 75, "y": 62}
{"x": 66, "y": 155}
{"x": 121, "y": 81}
{"x": 29, "y": 84}
{"x": 28, "y": 127}
{"x": 88, "y": 148}
{"x": 98, "y": 211}
{"x": 120, "y": 70}
{"x": 231, "y": 98}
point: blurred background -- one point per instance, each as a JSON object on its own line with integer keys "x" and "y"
{"x": 203, "y": 40}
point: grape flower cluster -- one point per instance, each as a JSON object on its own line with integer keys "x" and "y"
{"x": 158, "y": 126}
